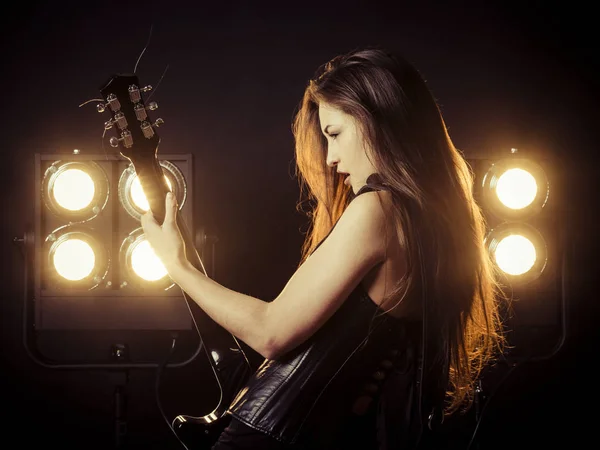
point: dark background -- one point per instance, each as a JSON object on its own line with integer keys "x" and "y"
{"x": 506, "y": 75}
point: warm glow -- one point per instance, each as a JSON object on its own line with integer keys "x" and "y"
{"x": 146, "y": 264}
{"x": 73, "y": 189}
{"x": 74, "y": 259}
{"x": 137, "y": 193}
{"x": 516, "y": 188}
{"x": 515, "y": 254}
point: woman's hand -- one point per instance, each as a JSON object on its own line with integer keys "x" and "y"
{"x": 165, "y": 240}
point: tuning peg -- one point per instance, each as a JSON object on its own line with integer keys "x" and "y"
{"x": 125, "y": 138}
{"x": 140, "y": 110}
{"x": 134, "y": 93}
{"x": 113, "y": 102}
{"x": 100, "y": 107}
{"x": 147, "y": 127}
{"x": 120, "y": 120}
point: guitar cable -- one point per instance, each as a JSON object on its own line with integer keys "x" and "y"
{"x": 159, "y": 371}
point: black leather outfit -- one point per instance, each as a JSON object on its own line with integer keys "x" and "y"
{"x": 308, "y": 398}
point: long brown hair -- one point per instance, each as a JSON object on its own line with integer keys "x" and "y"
{"x": 437, "y": 220}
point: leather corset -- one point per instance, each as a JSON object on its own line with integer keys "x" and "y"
{"x": 305, "y": 396}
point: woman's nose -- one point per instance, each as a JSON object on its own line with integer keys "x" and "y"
{"x": 331, "y": 160}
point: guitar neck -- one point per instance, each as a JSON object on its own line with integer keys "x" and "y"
{"x": 153, "y": 182}
{"x": 155, "y": 188}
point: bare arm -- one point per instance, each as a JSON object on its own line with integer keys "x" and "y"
{"x": 312, "y": 295}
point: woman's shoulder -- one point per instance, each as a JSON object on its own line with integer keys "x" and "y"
{"x": 376, "y": 208}
{"x": 370, "y": 197}
{"x": 374, "y": 200}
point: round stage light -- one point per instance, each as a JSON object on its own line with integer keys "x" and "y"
{"x": 515, "y": 189}
{"x": 73, "y": 189}
{"x": 141, "y": 266}
{"x": 132, "y": 196}
{"x": 145, "y": 263}
{"x": 76, "y": 191}
{"x": 515, "y": 254}
{"x": 519, "y": 251}
{"x": 76, "y": 259}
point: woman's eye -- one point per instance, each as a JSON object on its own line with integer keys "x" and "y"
{"x": 333, "y": 136}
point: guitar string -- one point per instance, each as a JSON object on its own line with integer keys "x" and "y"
{"x": 158, "y": 83}
{"x": 144, "y": 50}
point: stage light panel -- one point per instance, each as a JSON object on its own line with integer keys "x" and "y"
{"x": 86, "y": 273}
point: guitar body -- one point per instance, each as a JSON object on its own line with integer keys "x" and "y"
{"x": 138, "y": 141}
{"x": 201, "y": 436}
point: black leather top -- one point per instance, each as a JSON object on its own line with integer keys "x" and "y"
{"x": 307, "y": 395}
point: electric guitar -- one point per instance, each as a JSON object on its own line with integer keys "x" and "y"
{"x": 137, "y": 140}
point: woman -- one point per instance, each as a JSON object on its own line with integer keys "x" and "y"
{"x": 392, "y": 313}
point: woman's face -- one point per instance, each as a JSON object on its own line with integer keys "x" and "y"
{"x": 346, "y": 147}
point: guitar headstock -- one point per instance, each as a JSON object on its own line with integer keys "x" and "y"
{"x": 136, "y": 138}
